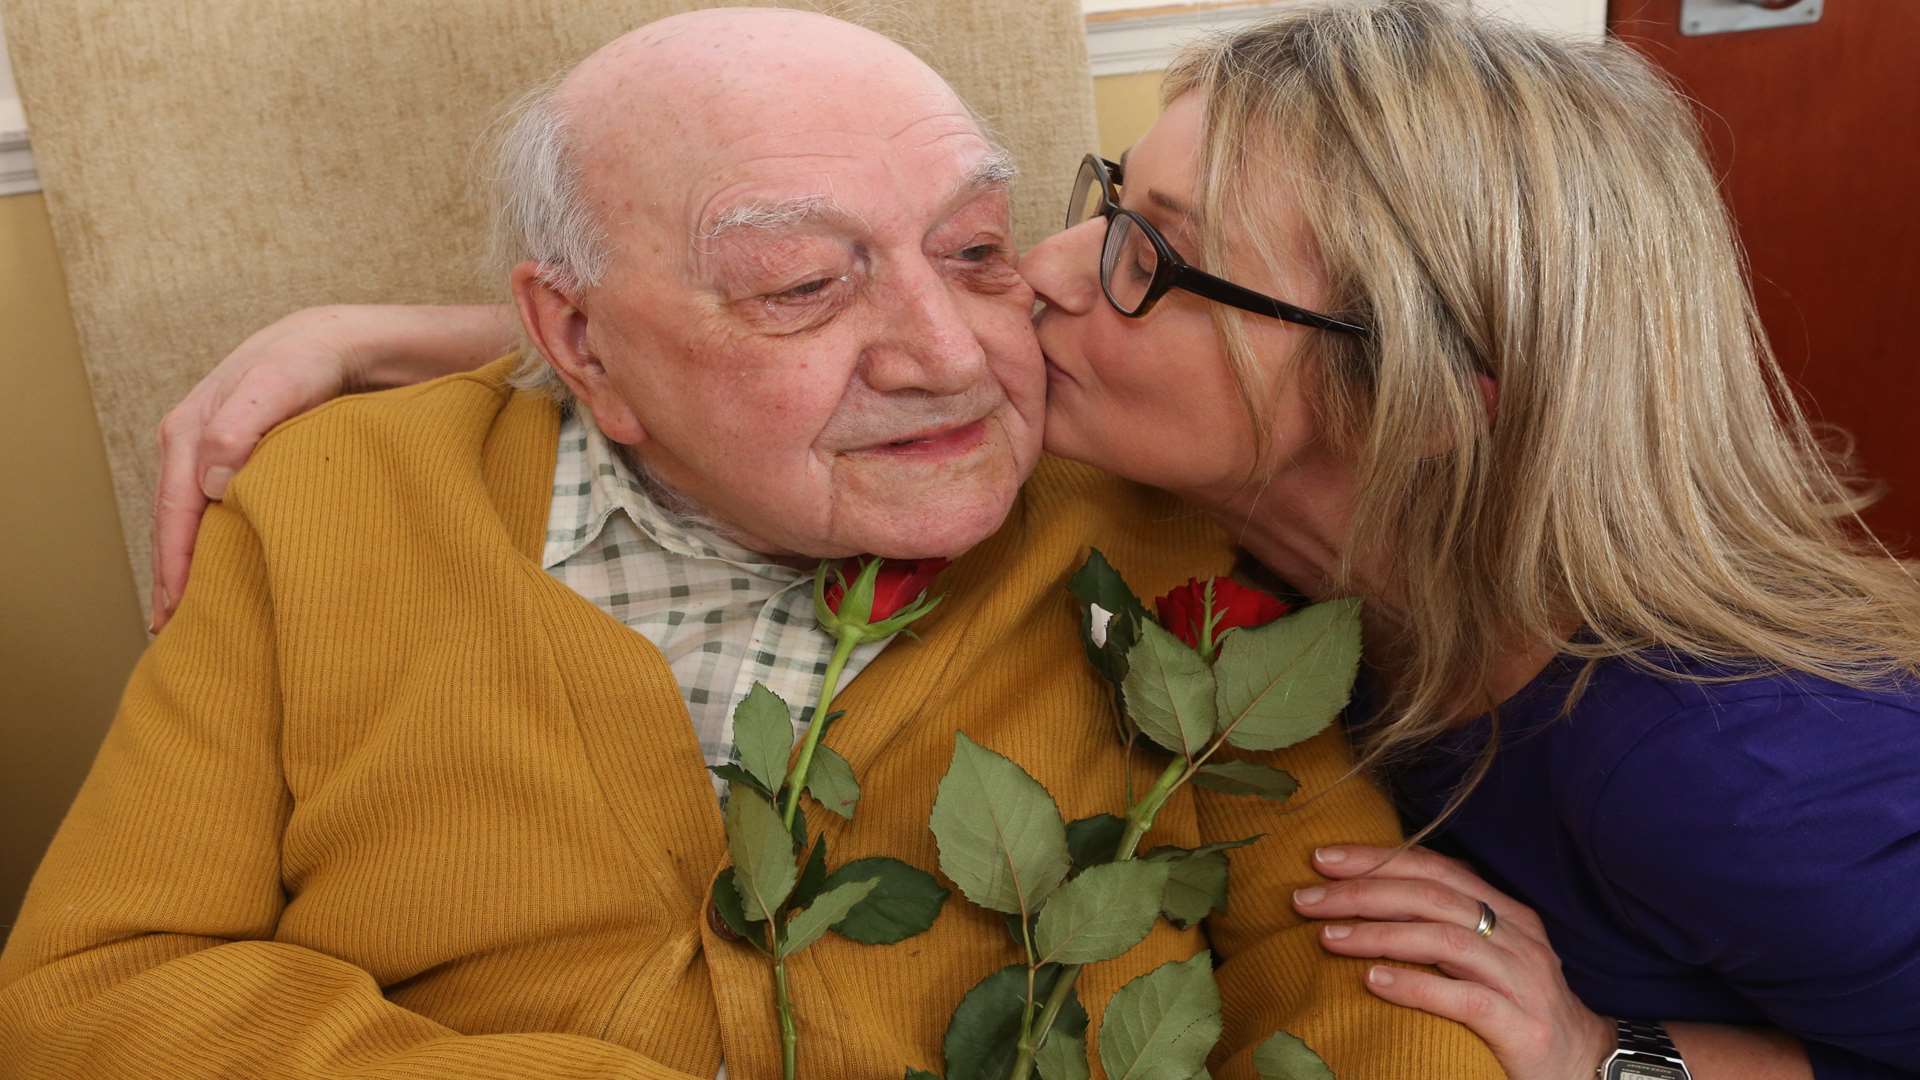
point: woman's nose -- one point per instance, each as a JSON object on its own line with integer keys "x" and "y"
{"x": 1064, "y": 269}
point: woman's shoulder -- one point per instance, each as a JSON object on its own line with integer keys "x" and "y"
{"x": 1754, "y": 824}
{"x": 1663, "y": 759}
{"x": 1677, "y": 713}
{"x": 1674, "y": 743}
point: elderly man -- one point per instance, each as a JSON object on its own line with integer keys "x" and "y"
{"x": 401, "y": 792}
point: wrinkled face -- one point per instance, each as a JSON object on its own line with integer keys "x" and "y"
{"x": 1154, "y": 399}
{"x": 814, "y": 330}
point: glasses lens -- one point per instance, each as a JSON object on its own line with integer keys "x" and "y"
{"x": 1127, "y": 264}
{"x": 1087, "y": 196}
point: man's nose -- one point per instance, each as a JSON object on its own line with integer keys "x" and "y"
{"x": 1064, "y": 269}
{"x": 929, "y": 344}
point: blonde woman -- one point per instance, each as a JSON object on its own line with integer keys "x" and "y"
{"x": 1475, "y": 346}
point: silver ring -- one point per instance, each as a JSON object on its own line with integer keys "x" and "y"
{"x": 1484, "y": 928}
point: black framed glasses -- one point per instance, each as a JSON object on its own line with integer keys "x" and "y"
{"x": 1138, "y": 266}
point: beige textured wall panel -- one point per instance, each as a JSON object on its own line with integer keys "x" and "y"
{"x": 211, "y": 165}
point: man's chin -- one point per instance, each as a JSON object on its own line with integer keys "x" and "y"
{"x": 933, "y": 522}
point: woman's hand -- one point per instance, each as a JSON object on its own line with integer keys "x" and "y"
{"x": 1423, "y": 908}
{"x": 306, "y": 359}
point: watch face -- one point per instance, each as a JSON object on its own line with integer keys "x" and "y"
{"x": 1644, "y": 1070}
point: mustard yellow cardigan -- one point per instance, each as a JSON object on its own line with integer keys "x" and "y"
{"x": 386, "y": 800}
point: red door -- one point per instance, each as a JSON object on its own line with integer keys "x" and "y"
{"x": 1815, "y": 129}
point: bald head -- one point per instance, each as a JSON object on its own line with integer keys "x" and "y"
{"x": 656, "y": 112}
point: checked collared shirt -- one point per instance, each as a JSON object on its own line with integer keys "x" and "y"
{"x": 724, "y": 617}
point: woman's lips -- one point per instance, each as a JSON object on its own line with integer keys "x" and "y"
{"x": 947, "y": 442}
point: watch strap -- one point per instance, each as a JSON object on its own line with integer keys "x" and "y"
{"x": 1646, "y": 1037}
{"x": 1643, "y": 1040}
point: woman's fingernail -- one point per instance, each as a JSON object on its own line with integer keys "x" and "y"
{"x": 1380, "y": 976}
{"x": 214, "y": 483}
{"x": 1310, "y": 896}
{"x": 1336, "y": 932}
{"x": 1329, "y": 854}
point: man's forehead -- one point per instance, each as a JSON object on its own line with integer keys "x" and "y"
{"x": 843, "y": 170}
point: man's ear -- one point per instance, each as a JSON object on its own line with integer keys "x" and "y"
{"x": 558, "y": 328}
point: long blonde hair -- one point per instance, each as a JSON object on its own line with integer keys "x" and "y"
{"x": 1497, "y": 202}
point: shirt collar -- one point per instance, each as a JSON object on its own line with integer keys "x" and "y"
{"x": 595, "y": 481}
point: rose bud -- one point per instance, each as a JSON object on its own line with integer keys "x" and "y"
{"x": 1186, "y": 614}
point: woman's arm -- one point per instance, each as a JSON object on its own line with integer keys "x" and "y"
{"x": 306, "y": 359}
{"x": 1420, "y": 907}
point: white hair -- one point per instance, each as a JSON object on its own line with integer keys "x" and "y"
{"x": 540, "y": 214}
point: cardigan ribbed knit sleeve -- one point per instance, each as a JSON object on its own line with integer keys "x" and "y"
{"x": 146, "y": 948}
{"x": 1274, "y": 975}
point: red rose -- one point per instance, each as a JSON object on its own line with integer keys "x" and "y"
{"x": 900, "y": 582}
{"x": 1184, "y": 610}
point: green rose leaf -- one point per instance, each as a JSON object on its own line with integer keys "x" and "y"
{"x": 762, "y": 851}
{"x": 805, "y": 927}
{"x": 1168, "y": 851}
{"x": 726, "y": 901}
{"x": 830, "y": 781}
{"x": 1196, "y": 881}
{"x": 1161, "y": 1025}
{"x": 905, "y": 901}
{"x": 1284, "y": 682}
{"x": 734, "y": 774}
{"x": 983, "y": 1037}
{"x": 1170, "y": 692}
{"x": 1102, "y": 913}
{"x": 763, "y": 736}
{"x": 1246, "y": 778}
{"x": 1284, "y": 1057}
{"x": 1000, "y": 836}
{"x": 813, "y": 876}
{"x": 1097, "y": 583}
{"x": 1094, "y": 840}
{"x": 1062, "y": 1057}
{"x": 1196, "y": 887}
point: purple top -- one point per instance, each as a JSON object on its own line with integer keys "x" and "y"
{"x": 1743, "y": 852}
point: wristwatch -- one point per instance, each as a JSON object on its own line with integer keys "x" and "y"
{"x": 1643, "y": 1052}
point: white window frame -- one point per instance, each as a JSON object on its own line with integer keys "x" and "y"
{"x": 17, "y": 174}
{"x": 1126, "y": 37}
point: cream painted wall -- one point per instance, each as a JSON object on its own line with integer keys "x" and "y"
{"x": 69, "y": 624}
{"x": 1125, "y": 107}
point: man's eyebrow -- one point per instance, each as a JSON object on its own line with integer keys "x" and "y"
{"x": 768, "y": 215}
{"x": 995, "y": 170}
